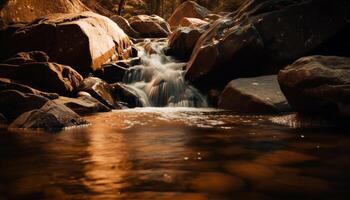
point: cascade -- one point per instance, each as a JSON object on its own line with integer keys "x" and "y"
{"x": 159, "y": 80}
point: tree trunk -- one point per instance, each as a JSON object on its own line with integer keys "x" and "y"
{"x": 121, "y": 5}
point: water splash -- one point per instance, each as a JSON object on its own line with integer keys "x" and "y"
{"x": 159, "y": 80}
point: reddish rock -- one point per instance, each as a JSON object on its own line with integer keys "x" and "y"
{"x": 125, "y": 25}
{"x": 84, "y": 41}
{"x": 150, "y": 26}
{"x": 45, "y": 76}
{"x": 188, "y": 9}
{"x": 262, "y": 37}
{"x": 318, "y": 85}
{"x": 24, "y": 11}
{"x": 254, "y": 95}
{"x": 182, "y": 42}
{"x": 192, "y": 22}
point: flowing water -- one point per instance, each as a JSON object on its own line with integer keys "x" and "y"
{"x": 159, "y": 80}
{"x": 176, "y": 153}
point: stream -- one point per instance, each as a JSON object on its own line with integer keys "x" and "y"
{"x": 175, "y": 153}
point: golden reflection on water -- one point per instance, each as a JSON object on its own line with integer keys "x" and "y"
{"x": 175, "y": 154}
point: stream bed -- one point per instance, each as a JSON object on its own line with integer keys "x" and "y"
{"x": 176, "y": 153}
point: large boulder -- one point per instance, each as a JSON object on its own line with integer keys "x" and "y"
{"x": 13, "y": 103}
{"x": 187, "y": 9}
{"x": 45, "y": 76}
{"x": 150, "y": 26}
{"x": 125, "y": 25}
{"x": 84, "y": 41}
{"x": 318, "y": 85}
{"x": 3, "y": 120}
{"x": 182, "y": 41}
{"x": 7, "y": 84}
{"x": 83, "y": 105}
{"x": 254, "y": 95}
{"x": 50, "y": 116}
{"x": 25, "y": 11}
{"x": 263, "y": 36}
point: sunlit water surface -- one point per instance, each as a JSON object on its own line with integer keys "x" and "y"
{"x": 176, "y": 153}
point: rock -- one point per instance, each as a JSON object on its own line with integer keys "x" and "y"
{"x": 192, "y": 22}
{"x": 27, "y": 57}
{"x": 150, "y": 26}
{"x": 188, "y": 9}
{"x": 214, "y": 62}
{"x": 25, "y": 11}
{"x": 262, "y": 37}
{"x": 182, "y": 42}
{"x": 6, "y": 84}
{"x": 50, "y": 116}
{"x": 125, "y": 94}
{"x": 13, "y": 103}
{"x": 318, "y": 85}
{"x": 83, "y": 41}
{"x": 111, "y": 73}
{"x": 125, "y": 25}
{"x": 45, "y": 76}
{"x": 84, "y": 105}
{"x": 100, "y": 90}
{"x": 254, "y": 95}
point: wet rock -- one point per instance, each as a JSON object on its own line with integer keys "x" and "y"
{"x": 254, "y": 95}
{"x": 125, "y": 25}
{"x": 318, "y": 85}
{"x": 192, "y": 22}
{"x": 150, "y": 26}
{"x": 183, "y": 40}
{"x": 84, "y": 41}
{"x": 13, "y": 103}
{"x": 225, "y": 58}
{"x": 111, "y": 73}
{"x": 45, "y": 76}
{"x": 27, "y": 57}
{"x": 262, "y": 37}
{"x": 83, "y": 105}
{"x": 7, "y": 84}
{"x": 125, "y": 94}
{"x": 50, "y": 116}
{"x": 188, "y": 9}
{"x": 100, "y": 90}
{"x": 25, "y": 11}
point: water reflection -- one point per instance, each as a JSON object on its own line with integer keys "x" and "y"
{"x": 173, "y": 153}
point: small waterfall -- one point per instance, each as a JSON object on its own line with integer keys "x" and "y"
{"x": 159, "y": 80}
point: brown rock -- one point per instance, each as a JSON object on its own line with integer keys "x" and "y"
{"x": 50, "y": 116}
{"x": 27, "y": 57}
{"x": 7, "y": 84}
{"x": 111, "y": 73}
{"x": 84, "y": 41}
{"x": 182, "y": 42}
{"x": 192, "y": 22}
{"x": 84, "y": 105}
{"x": 254, "y": 95}
{"x": 13, "y": 103}
{"x": 150, "y": 26}
{"x": 24, "y": 11}
{"x": 318, "y": 85}
{"x": 46, "y": 76}
{"x": 125, "y": 25}
{"x": 125, "y": 94}
{"x": 187, "y": 9}
{"x": 100, "y": 90}
{"x": 263, "y": 36}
